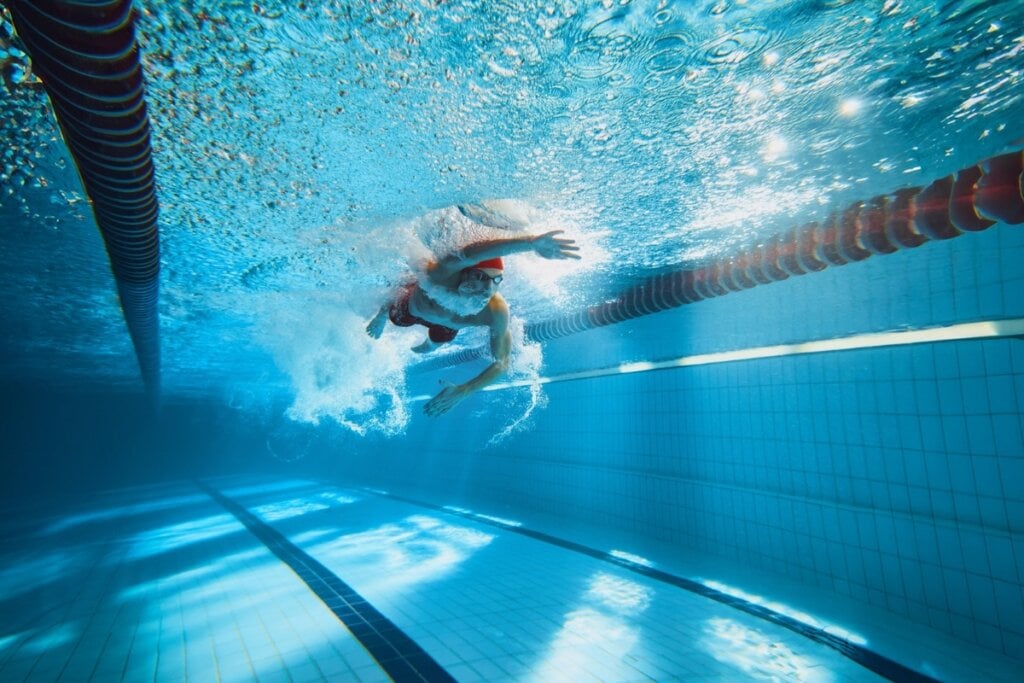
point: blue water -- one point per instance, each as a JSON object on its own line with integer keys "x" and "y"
{"x": 305, "y": 154}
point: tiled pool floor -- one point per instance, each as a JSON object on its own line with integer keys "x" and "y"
{"x": 239, "y": 580}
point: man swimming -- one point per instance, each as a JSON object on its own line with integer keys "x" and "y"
{"x": 461, "y": 290}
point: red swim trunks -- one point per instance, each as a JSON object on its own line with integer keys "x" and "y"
{"x": 400, "y": 316}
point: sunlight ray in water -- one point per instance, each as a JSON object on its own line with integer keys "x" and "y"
{"x": 175, "y": 536}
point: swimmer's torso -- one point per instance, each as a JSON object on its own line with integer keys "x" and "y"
{"x": 422, "y": 306}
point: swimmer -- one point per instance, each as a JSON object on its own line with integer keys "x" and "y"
{"x": 461, "y": 290}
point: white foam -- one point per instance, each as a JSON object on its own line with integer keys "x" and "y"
{"x": 525, "y": 366}
{"x": 338, "y": 372}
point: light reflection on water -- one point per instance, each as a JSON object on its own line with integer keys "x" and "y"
{"x": 759, "y": 656}
{"x": 601, "y": 622}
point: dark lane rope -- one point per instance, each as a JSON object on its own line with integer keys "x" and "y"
{"x": 86, "y": 56}
{"x": 971, "y": 200}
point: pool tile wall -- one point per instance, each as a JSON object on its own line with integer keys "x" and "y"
{"x": 893, "y": 476}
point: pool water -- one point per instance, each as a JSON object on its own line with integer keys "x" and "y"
{"x": 770, "y": 426}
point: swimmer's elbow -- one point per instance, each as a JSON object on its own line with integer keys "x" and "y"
{"x": 502, "y": 362}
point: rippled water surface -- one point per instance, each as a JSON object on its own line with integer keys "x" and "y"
{"x": 294, "y": 141}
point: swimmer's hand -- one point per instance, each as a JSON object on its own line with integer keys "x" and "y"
{"x": 551, "y": 247}
{"x": 451, "y": 396}
{"x": 375, "y": 327}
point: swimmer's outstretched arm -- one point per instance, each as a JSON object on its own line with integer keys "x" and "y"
{"x": 547, "y": 245}
{"x": 501, "y": 349}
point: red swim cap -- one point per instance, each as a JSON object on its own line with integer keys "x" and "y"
{"x": 490, "y": 263}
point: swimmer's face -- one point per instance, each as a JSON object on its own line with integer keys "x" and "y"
{"x": 479, "y": 280}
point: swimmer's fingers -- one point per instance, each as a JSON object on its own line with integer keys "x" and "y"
{"x": 559, "y": 240}
{"x": 438, "y": 405}
{"x": 550, "y": 237}
{"x": 431, "y": 408}
{"x": 551, "y": 247}
{"x": 566, "y": 249}
{"x": 449, "y": 397}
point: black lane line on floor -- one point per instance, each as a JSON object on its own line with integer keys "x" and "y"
{"x": 398, "y": 655}
{"x": 873, "y": 661}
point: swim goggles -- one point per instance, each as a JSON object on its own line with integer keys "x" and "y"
{"x": 475, "y": 275}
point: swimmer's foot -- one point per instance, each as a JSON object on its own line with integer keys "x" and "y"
{"x": 375, "y": 327}
{"x": 426, "y": 347}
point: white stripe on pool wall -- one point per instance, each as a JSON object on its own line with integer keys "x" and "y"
{"x": 988, "y": 329}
